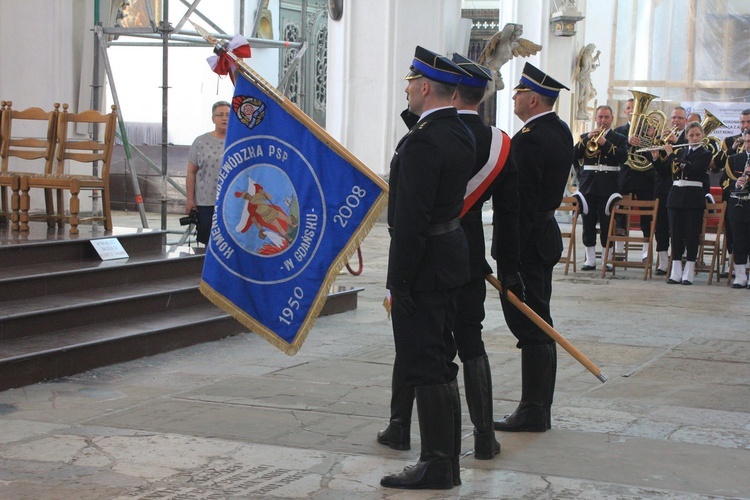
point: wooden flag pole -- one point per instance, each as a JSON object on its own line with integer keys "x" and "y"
{"x": 554, "y": 334}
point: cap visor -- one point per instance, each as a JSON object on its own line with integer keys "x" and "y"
{"x": 413, "y": 74}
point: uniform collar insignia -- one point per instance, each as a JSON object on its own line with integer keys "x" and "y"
{"x": 525, "y": 129}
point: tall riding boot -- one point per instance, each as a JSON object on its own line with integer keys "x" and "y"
{"x": 456, "y": 406}
{"x": 478, "y": 386}
{"x": 552, "y": 352}
{"x": 397, "y": 434}
{"x": 434, "y": 470}
{"x": 538, "y": 371}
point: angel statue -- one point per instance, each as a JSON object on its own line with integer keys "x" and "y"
{"x": 501, "y": 48}
{"x": 585, "y": 91}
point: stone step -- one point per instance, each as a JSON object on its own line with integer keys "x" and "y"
{"x": 42, "y": 279}
{"x": 76, "y": 308}
{"x": 64, "y": 352}
{"x": 26, "y": 249}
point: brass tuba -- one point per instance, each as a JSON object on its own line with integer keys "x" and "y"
{"x": 713, "y": 143}
{"x": 648, "y": 127}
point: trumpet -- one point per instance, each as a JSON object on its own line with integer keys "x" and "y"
{"x": 739, "y": 142}
{"x": 592, "y": 145}
{"x": 672, "y": 132}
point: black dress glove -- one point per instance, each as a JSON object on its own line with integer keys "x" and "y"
{"x": 403, "y": 302}
{"x": 514, "y": 283}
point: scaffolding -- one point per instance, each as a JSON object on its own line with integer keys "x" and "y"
{"x": 160, "y": 33}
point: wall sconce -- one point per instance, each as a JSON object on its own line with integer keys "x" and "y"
{"x": 563, "y": 21}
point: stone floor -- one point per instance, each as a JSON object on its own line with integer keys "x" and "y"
{"x": 237, "y": 418}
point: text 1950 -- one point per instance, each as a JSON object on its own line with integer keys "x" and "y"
{"x": 287, "y": 314}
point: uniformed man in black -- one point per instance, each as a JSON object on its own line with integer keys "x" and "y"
{"x": 493, "y": 176}
{"x": 662, "y": 185}
{"x": 736, "y": 189}
{"x": 637, "y": 182}
{"x": 732, "y": 145}
{"x": 598, "y": 155}
{"x": 542, "y": 151}
{"x": 493, "y": 148}
{"x": 428, "y": 261}
{"x": 736, "y": 143}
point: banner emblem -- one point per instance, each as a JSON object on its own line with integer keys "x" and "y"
{"x": 249, "y": 110}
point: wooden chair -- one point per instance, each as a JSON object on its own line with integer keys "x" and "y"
{"x": 72, "y": 153}
{"x": 712, "y": 241}
{"x": 632, "y": 239}
{"x": 569, "y": 205}
{"x": 32, "y": 121}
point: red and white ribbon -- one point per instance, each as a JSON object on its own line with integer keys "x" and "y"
{"x": 223, "y": 64}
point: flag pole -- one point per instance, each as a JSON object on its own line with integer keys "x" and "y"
{"x": 220, "y": 49}
{"x": 554, "y": 334}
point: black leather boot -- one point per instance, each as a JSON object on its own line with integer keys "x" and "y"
{"x": 434, "y": 470}
{"x": 478, "y": 386}
{"x": 398, "y": 433}
{"x": 551, "y": 383}
{"x": 538, "y": 371}
{"x": 456, "y": 406}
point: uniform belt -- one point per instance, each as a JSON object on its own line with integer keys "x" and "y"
{"x": 444, "y": 227}
{"x": 601, "y": 168}
{"x": 684, "y": 183}
{"x": 542, "y": 216}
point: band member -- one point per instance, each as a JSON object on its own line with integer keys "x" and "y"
{"x": 686, "y": 201}
{"x": 732, "y": 145}
{"x": 662, "y": 187}
{"x": 543, "y": 153}
{"x": 736, "y": 143}
{"x": 737, "y": 196}
{"x": 599, "y": 154}
{"x": 637, "y": 183}
{"x": 428, "y": 260}
{"x": 627, "y": 112}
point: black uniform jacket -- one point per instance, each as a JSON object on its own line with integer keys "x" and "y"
{"x": 542, "y": 151}
{"x": 736, "y": 210}
{"x": 428, "y": 177}
{"x": 613, "y": 152}
{"x": 736, "y": 165}
{"x": 663, "y": 179}
{"x": 696, "y": 170}
{"x": 504, "y": 194}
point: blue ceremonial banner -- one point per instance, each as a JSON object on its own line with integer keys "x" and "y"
{"x": 292, "y": 206}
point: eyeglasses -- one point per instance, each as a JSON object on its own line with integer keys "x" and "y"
{"x": 222, "y": 115}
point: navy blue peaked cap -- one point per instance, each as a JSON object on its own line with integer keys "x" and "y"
{"x": 480, "y": 75}
{"x": 435, "y": 67}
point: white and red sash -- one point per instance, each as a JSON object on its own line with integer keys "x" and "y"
{"x": 478, "y": 184}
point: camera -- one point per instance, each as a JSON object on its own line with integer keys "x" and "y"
{"x": 191, "y": 218}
